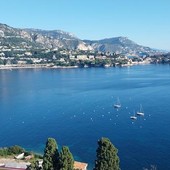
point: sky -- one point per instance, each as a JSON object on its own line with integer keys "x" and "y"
{"x": 147, "y": 22}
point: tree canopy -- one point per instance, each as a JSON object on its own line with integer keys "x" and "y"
{"x": 50, "y": 157}
{"x": 66, "y": 160}
{"x": 106, "y": 156}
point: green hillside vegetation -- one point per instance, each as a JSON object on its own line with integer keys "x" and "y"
{"x": 53, "y": 159}
{"x": 107, "y": 158}
{"x": 12, "y": 151}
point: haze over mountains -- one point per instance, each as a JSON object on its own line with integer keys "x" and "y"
{"x": 54, "y": 39}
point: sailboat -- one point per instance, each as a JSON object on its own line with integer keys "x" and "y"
{"x": 133, "y": 117}
{"x": 140, "y": 112}
{"x": 117, "y": 105}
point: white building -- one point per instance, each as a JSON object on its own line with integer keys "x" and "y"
{"x": 91, "y": 57}
{"x": 82, "y": 57}
{"x": 72, "y": 57}
{"x": 28, "y": 53}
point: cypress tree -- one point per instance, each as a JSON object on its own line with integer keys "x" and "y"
{"x": 66, "y": 160}
{"x": 107, "y": 158}
{"x": 50, "y": 158}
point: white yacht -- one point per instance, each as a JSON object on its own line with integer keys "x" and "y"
{"x": 140, "y": 112}
{"x": 133, "y": 117}
{"x": 117, "y": 104}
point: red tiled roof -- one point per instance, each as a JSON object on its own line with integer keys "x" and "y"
{"x": 80, "y": 165}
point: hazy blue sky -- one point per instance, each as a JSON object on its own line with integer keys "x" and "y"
{"x": 146, "y": 22}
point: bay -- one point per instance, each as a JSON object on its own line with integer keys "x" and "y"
{"x": 75, "y": 106}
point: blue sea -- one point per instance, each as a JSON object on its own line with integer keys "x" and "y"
{"x": 75, "y": 106}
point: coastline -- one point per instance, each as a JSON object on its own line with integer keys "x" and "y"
{"x": 36, "y": 66}
{"x": 51, "y": 66}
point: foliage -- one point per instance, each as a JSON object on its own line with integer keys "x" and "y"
{"x": 38, "y": 156}
{"x": 1, "y": 62}
{"x": 50, "y": 157}
{"x": 13, "y": 150}
{"x": 4, "y": 152}
{"x": 34, "y": 166}
{"x": 66, "y": 160}
{"x": 14, "y": 61}
{"x": 29, "y": 61}
{"x": 107, "y": 158}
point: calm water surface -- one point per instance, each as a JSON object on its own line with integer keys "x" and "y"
{"x": 75, "y": 106}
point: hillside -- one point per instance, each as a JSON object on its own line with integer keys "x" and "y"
{"x": 54, "y": 39}
{"x": 119, "y": 45}
{"x": 35, "y": 38}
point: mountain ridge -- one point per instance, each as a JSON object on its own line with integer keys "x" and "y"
{"x": 55, "y": 39}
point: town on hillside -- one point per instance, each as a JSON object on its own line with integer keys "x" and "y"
{"x": 53, "y": 49}
{"x": 53, "y": 58}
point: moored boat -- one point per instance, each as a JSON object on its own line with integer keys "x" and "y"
{"x": 117, "y": 104}
{"x": 140, "y": 112}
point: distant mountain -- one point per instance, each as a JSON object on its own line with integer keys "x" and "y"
{"x": 119, "y": 45}
{"x": 12, "y": 37}
{"x": 57, "y": 39}
{"x": 54, "y": 39}
{"x": 35, "y": 38}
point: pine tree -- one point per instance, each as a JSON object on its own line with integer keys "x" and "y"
{"x": 50, "y": 158}
{"x": 107, "y": 158}
{"x": 66, "y": 160}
